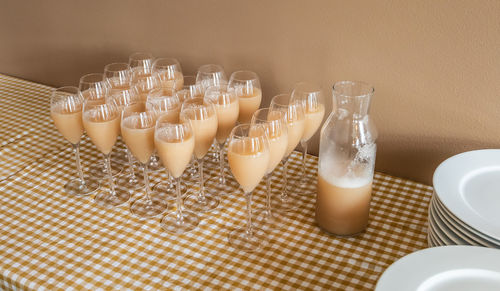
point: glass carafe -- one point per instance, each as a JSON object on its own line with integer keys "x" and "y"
{"x": 346, "y": 161}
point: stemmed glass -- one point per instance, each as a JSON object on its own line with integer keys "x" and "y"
{"x": 275, "y": 125}
{"x": 312, "y": 98}
{"x": 118, "y": 76}
{"x": 169, "y": 72}
{"x": 248, "y": 155}
{"x": 190, "y": 89}
{"x": 210, "y": 75}
{"x": 295, "y": 121}
{"x": 66, "y": 111}
{"x": 247, "y": 87}
{"x": 175, "y": 144}
{"x": 141, "y": 63}
{"x": 227, "y": 108}
{"x": 203, "y": 118}
{"x": 102, "y": 124}
{"x": 94, "y": 89}
{"x": 137, "y": 127}
{"x": 124, "y": 99}
{"x": 164, "y": 103}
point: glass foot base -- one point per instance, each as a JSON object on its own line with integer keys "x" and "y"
{"x": 167, "y": 192}
{"x": 190, "y": 221}
{"x": 268, "y": 220}
{"x": 302, "y": 186}
{"x": 143, "y": 208}
{"x": 285, "y": 204}
{"x": 209, "y": 203}
{"x": 239, "y": 239}
{"x": 106, "y": 199}
{"x": 125, "y": 181}
{"x": 76, "y": 188}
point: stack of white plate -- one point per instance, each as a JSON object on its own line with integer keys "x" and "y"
{"x": 465, "y": 207}
{"x": 447, "y": 268}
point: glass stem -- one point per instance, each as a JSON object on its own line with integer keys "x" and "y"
{"x": 201, "y": 194}
{"x": 107, "y": 160}
{"x": 76, "y": 149}
{"x": 130, "y": 165}
{"x": 304, "y": 144}
{"x": 268, "y": 194}
{"x": 248, "y": 229}
{"x": 285, "y": 179}
{"x": 180, "y": 218}
{"x": 146, "y": 183}
{"x": 222, "y": 177}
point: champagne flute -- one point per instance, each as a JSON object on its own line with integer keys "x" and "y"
{"x": 210, "y": 75}
{"x": 248, "y": 155}
{"x": 165, "y": 103}
{"x": 118, "y": 76}
{"x": 66, "y": 111}
{"x": 124, "y": 99}
{"x": 93, "y": 88}
{"x": 227, "y": 109}
{"x": 203, "y": 118}
{"x": 295, "y": 120}
{"x": 275, "y": 125}
{"x": 102, "y": 123}
{"x": 312, "y": 98}
{"x": 175, "y": 144}
{"x": 137, "y": 127}
{"x": 247, "y": 87}
{"x": 141, "y": 63}
{"x": 190, "y": 89}
{"x": 169, "y": 72}
{"x": 145, "y": 83}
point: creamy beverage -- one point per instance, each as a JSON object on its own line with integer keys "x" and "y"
{"x": 227, "y": 114}
{"x": 249, "y": 103}
{"x": 295, "y": 132}
{"x": 277, "y": 149}
{"x": 314, "y": 117}
{"x": 343, "y": 207}
{"x": 248, "y": 161}
{"x": 138, "y": 137}
{"x": 69, "y": 124}
{"x": 171, "y": 116}
{"x": 169, "y": 80}
{"x": 102, "y": 133}
{"x": 204, "y": 133}
{"x": 175, "y": 154}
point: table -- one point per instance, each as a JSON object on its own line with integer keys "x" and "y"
{"x": 50, "y": 241}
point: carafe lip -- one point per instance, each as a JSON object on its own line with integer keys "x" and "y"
{"x": 365, "y": 86}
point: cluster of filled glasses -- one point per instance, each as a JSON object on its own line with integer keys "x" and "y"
{"x": 160, "y": 112}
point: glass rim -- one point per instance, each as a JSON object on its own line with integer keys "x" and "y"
{"x": 111, "y": 67}
{"x": 220, "y": 68}
{"x": 83, "y": 79}
{"x": 252, "y": 73}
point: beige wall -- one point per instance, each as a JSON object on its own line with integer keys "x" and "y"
{"x": 435, "y": 64}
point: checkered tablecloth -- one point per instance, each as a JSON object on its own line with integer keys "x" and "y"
{"x": 50, "y": 241}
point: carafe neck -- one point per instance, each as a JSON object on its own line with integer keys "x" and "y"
{"x": 353, "y": 97}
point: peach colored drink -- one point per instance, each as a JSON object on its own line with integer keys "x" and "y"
{"x": 313, "y": 121}
{"x": 69, "y": 124}
{"x": 295, "y": 132}
{"x": 226, "y": 117}
{"x": 248, "y": 164}
{"x": 139, "y": 140}
{"x": 169, "y": 81}
{"x": 249, "y": 103}
{"x": 102, "y": 133}
{"x": 204, "y": 134}
{"x": 343, "y": 209}
{"x": 277, "y": 149}
{"x": 175, "y": 154}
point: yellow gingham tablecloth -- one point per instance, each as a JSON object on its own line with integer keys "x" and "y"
{"x": 50, "y": 241}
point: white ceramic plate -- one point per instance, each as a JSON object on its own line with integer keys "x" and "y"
{"x": 463, "y": 225}
{"x": 454, "y": 229}
{"x": 468, "y": 185}
{"x": 442, "y": 228}
{"x": 444, "y": 268}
